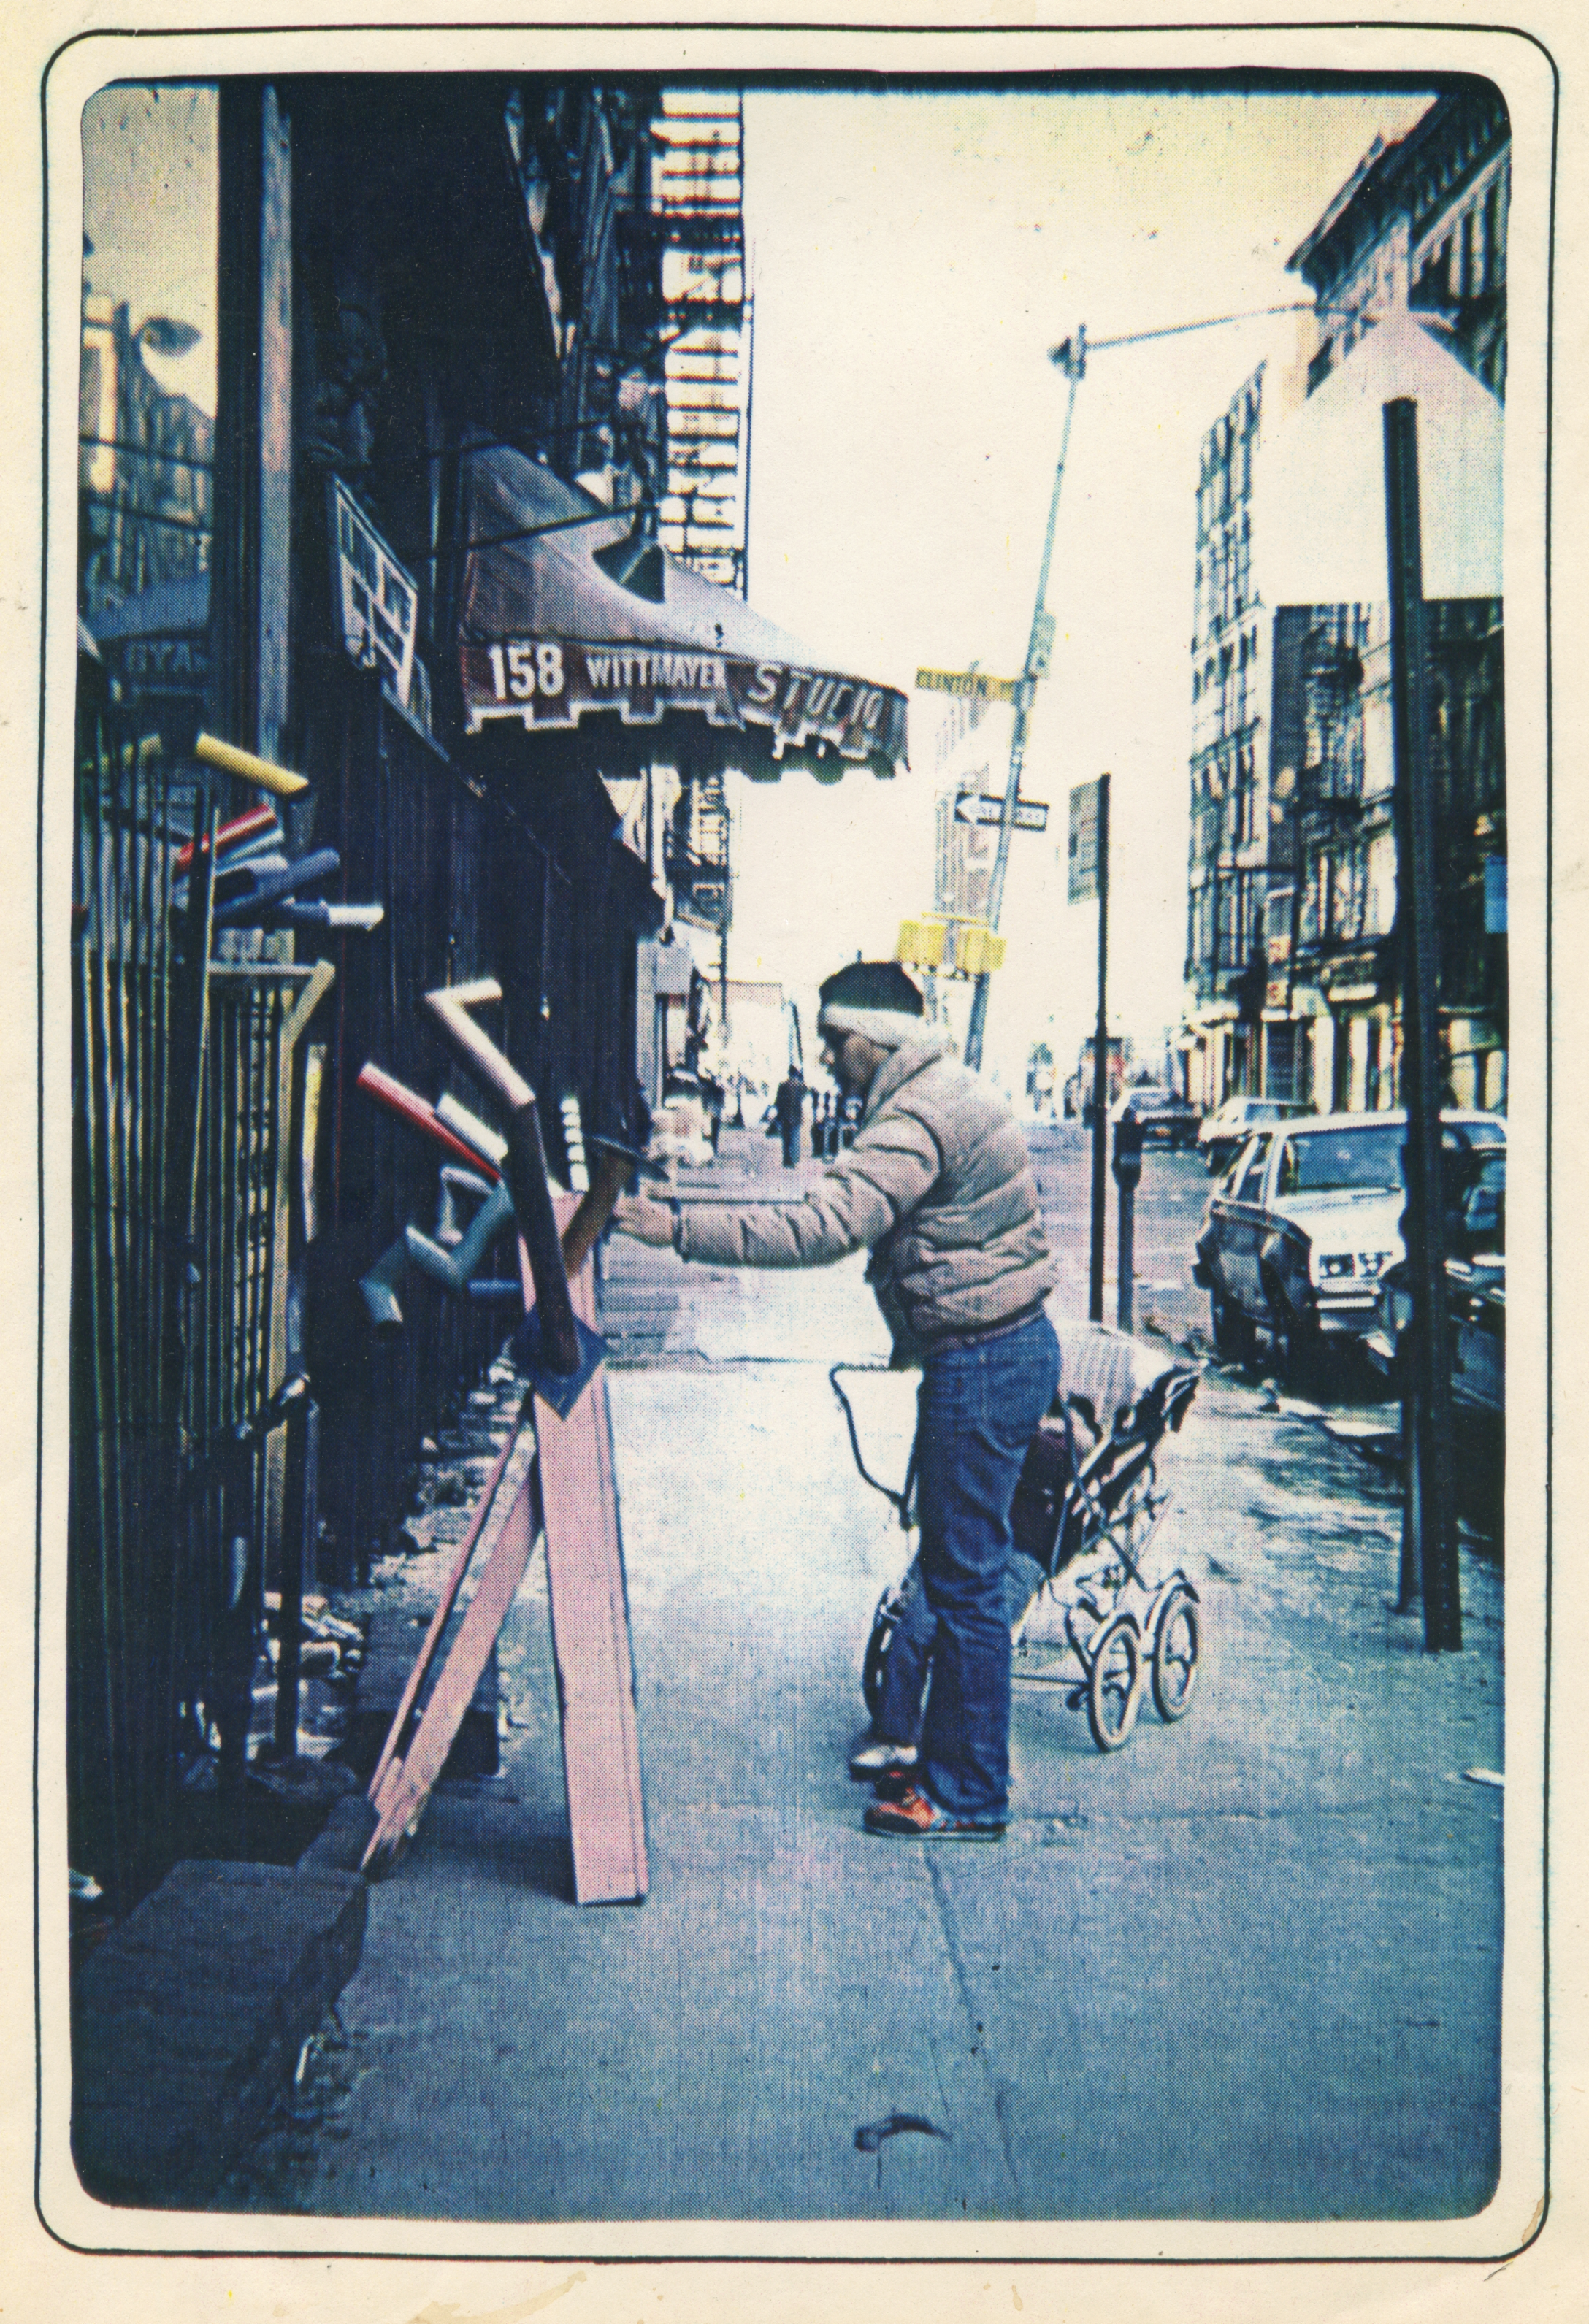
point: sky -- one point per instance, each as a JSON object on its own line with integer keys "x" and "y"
{"x": 914, "y": 257}
{"x": 154, "y": 153}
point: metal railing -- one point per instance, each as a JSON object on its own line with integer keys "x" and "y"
{"x": 181, "y": 1106}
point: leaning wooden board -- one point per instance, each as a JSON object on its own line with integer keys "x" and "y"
{"x": 590, "y": 1644}
{"x": 438, "y": 1619}
{"x": 399, "y": 1794}
{"x": 590, "y": 1638}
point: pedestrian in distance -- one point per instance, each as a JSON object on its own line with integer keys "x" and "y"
{"x": 938, "y": 1189}
{"x": 790, "y": 1106}
{"x": 825, "y": 1127}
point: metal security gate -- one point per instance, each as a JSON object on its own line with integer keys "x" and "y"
{"x": 127, "y": 1060}
{"x": 182, "y": 1112}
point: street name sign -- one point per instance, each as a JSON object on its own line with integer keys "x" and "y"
{"x": 1031, "y": 814}
{"x": 970, "y": 684}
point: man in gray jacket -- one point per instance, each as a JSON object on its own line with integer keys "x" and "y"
{"x": 938, "y": 1189}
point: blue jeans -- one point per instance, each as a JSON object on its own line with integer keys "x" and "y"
{"x": 978, "y": 1410}
{"x": 909, "y": 1660}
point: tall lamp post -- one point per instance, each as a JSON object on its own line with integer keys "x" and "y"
{"x": 1072, "y": 360}
{"x": 1070, "y": 356}
{"x": 1430, "y": 1488}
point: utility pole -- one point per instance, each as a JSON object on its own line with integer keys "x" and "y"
{"x": 1429, "y": 1484}
{"x": 1100, "y": 1071}
{"x": 723, "y": 929}
{"x": 1071, "y": 358}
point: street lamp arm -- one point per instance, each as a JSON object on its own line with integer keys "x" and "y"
{"x": 1209, "y": 323}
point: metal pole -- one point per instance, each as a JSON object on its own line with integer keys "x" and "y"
{"x": 1100, "y": 1068}
{"x": 1074, "y": 362}
{"x": 1122, "y": 1292}
{"x": 722, "y": 930}
{"x": 1430, "y": 1450}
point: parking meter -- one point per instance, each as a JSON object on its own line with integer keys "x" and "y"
{"x": 1128, "y": 1170}
{"x": 1127, "y": 1151}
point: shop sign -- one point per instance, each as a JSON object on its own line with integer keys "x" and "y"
{"x": 375, "y": 598}
{"x": 155, "y": 665}
{"x": 704, "y": 901}
{"x": 1084, "y": 800}
{"x": 552, "y": 681}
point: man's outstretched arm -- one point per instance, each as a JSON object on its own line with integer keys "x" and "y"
{"x": 858, "y": 1198}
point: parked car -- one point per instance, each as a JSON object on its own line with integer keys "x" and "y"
{"x": 1476, "y": 1299}
{"x": 1298, "y": 1234}
{"x": 1476, "y": 1295}
{"x": 1160, "y": 1114}
{"x": 1224, "y": 1134}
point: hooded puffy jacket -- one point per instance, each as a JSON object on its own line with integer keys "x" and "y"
{"x": 938, "y": 1187}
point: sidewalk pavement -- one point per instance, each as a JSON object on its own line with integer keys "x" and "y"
{"x": 1246, "y": 1968}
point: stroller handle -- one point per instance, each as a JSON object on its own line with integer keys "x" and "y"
{"x": 900, "y": 1500}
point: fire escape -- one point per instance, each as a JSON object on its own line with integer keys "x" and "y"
{"x": 698, "y": 204}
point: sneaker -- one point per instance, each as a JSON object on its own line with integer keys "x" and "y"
{"x": 874, "y": 1760}
{"x": 913, "y": 1816}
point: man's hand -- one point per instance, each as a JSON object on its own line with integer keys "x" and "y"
{"x": 647, "y": 1222}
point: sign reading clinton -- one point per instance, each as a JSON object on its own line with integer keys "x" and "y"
{"x": 552, "y": 682}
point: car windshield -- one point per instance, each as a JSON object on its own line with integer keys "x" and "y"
{"x": 1325, "y": 1161}
{"x": 1483, "y": 1212}
{"x": 1246, "y": 1178}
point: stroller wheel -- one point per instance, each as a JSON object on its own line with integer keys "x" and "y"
{"x": 884, "y": 1624}
{"x": 1114, "y": 1683}
{"x": 1176, "y": 1642}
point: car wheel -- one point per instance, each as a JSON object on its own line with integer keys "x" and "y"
{"x": 1229, "y": 1328}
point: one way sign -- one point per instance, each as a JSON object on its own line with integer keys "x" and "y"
{"x": 1031, "y": 814}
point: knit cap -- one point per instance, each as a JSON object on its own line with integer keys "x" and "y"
{"x": 874, "y": 998}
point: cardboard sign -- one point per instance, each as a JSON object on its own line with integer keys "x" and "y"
{"x": 375, "y": 598}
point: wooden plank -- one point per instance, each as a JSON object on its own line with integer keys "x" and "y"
{"x": 590, "y": 1640}
{"x": 590, "y": 1646}
{"x": 408, "y": 1783}
{"x": 439, "y": 1619}
{"x": 275, "y": 421}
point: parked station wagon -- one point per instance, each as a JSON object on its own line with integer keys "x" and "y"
{"x": 1308, "y": 1218}
{"x": 1224, "y": 1134}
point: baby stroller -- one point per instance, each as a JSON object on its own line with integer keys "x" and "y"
{"x": 1085, "y": 1510}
